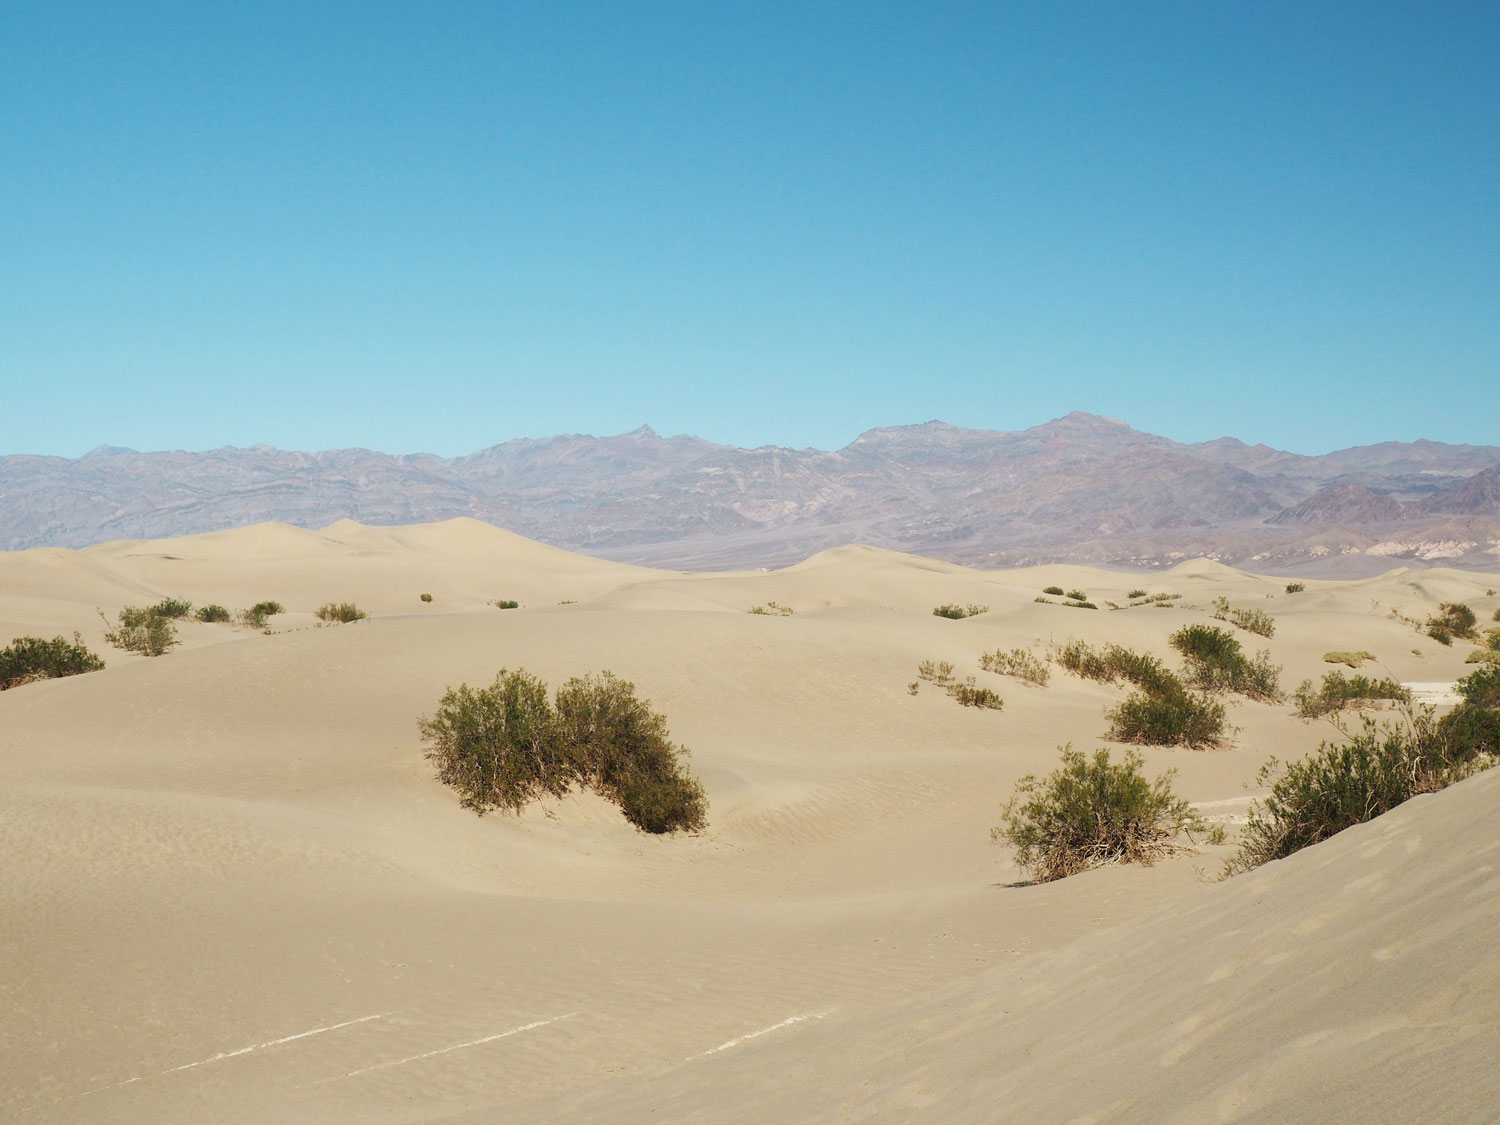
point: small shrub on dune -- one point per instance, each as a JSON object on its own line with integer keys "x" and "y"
{"x": 1295, "y": 587}
{"x": 1055, "y": 591}
{"x": 212, "y": 614}
{"x": 1214, "y": 661}
{"x": 1168, "y": 717}
{"x": 939, "y": 672}
{"x": 506, "y": 603}
{"x": 970, "y": 694}
{"x": 1134, "y": 594}
{"x": 172, "y": 607}
{"x": 141, "y": 630}
{"x": 341, "y": 613}
{"x": 1338, "y": 692}
{"x": 959, "y": 612}
{"x": 1352, "y": 659}
{"x": 1481, "y": 688}
{"x": 1018, "y": 662}
{"x": 1116, "y": 662}
{"x": 771, "y": 609}
{"x": 1077, "y": 595}
{"x": 1090, "y": 812}
{"x": 28, "y": 659}
{"x": 256, "y": 615}
{"x": 426, "y": 597}
{"x": 1453, "y": 619}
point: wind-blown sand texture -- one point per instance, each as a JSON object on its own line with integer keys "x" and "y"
{"x": 233, "y": 891}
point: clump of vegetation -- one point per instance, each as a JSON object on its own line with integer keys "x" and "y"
{"x": 1140, "y": 597}
{"x": 1352, "y": 659}
{"x": 1338, "y": 692}
{"x": 341, "y": 613}
{"x": 1453, "y": 619}
{"x": 141, "y": 630}
{"x": 772, "y": 609}
{"x": 959, "y": 612}
{"x": 212, "y": 614}
{"x": 1295, "y": 587}
{"x": 426, "y": 597}
{"x": 1168, "y": 716}
{"x": 1090, "y": 812}
{"x": 1483, "y": 656}
{"x": 1349, "y": 782}
{"x": 28, "y": 659}
{"x": 1215, "y": 662}
{"x": 970, "y": 694}
{"x": 506, "y": 745}
{"x": 1134, "y": 594}
{"x": 1018, "y": 662}
{"x": 506, "y": 603}
{"x": 256, "y": 615}
{"x": 1055, "y": 591}
{"x": 913, "y": 687}
{"x": 172, "y": 607}
{"x": 1115, "y": 662}
{"x": 938, "y": 672}
{"x": 1251, "y": 620}
{"x": 1077, "y": 595}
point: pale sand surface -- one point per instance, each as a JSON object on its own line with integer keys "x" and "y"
{"x": 234, "y": 892}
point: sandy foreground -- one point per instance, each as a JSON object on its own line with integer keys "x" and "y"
{"x": 233, "y": 891}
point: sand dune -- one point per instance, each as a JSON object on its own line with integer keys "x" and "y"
{"x": 234, "y": 891}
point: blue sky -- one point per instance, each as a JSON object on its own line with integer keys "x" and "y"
{"x": 437, "y": 226}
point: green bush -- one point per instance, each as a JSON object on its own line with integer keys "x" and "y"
{"x": 1080, "y": 605}
{"x": 172, "y": 607}
{"x": 1115, "y": 662}
{"x": 1350, "y": 782}
{"x": 1055, "y": 591}
{"x": 959, "y": 612}
{"x": 1133, "y": 594}
{"x": 27, "y": 659}
{"x": 506, "y": 745}
{"x": 1481, "y": 688}
{"x": 939, "y": 672}
{"x": 1077, "y": 595}
{"x": 1352, "y": 659}
{"x": 1168, "y": 717}
{"x": 1090, "y": 812}
{"x": 141, "y": 630}
{"x": 425, "y": 597}
{"x": 1295, "y": 587}
{"x": 256, "y": 615}
{"x": 1483, "y": 656}
{"x": 507, "y": 603}
{"x": 1337, "y": 693}
{"x": 1453, "y": 619}
{"x": 268, "y": 608}
{"x": 970, "y": 694}
{"x": 1254, "y": 621}
{"x": 1215, "y": 662}
{"x": 212, "y": 613}
{"x": 1018, "y": 662}
{"x": 341, "y": 613}
{"x": 770, "y": 609}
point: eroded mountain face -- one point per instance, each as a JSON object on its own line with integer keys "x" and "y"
{"x": 1080, "y": 488}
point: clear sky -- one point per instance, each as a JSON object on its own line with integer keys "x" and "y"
{"x": 437, "y": 226}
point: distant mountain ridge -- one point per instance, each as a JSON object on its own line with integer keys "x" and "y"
{"x": 1079, "y": 488}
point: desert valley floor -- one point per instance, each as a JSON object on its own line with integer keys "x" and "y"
{"x": 233, "y": 890}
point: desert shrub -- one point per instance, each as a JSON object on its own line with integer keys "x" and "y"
{"x": 971, "y": 694}
{"x": 1018, "y": 662}
{"x": 1077, "y": 595}
{"x": 1168, "y": 717}
{"x": 1080, "y": 605}
{"x": 1295, "y": 587}
{"x": 1352, "y": 659}
{"x": 1115, "y": 662}
{"x": 172, "y": 607}
{"x": 1496, "y": 615}
{"x": 425, "y": 597}
{"x": 1483, "y": 656}
{"x": 939, "y": 672}
{"x": 1492, "y": 639}
{"x": 498, "y": 746}
{"x": 27, "y": 659}
{"x": 1084, "y": 661}
{"x": 621, "y": 748}
{"x": 1055, "y": 591}
{"x": 1338, "y": 692}
{"x": 959, "y": 612}
{"x": 1453, "y": 619}
{"x": 256, "y": 615}
{"x": 771, "y": 609}
{"x": 913, "y": 687}
{"x": 1044, "y": 601}
{"x": 268, "y": 608}
{"x": 1369, "y": 773}
{"x": 1133, "y": 594}
{"x": 1481, "y": 688}
{"x": 507, "y": 603}
{"x": 141, "y": 630}
{"x": 1254, "y": 620}
{"x": 212, "y": 613}
{"x": 1090, "y": 812}
{"x": 1215, "y": 662}
{"x": 341, "y": 613}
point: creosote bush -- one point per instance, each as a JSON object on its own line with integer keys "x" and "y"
{"x": 959, "y": 612}
{"x": 341, "y": 613}
{"x": 939, "y": 672}
{"x": 970, "y": 694}
{"x": 1077, "y": 595}
{"x": 1133, "y": 594}
{"x": 256, "y": 615}
{"x": 426, "y": 597}
{"x": 506, "y": 745}
{"x": 506, "y": 603}
{"x": 1453, "y": 619}
{"x": 1091, "y": 811}
{"x": 1352, "y": 659}
{"x": 141, "y": 630}
{"x": 27, "y": 659}
{"x": 172, "y": 607}
{"x": 1018, "y": 662}
{"x": 1338, "y": 692}
{"x": 1295, "y": 587}
{"x": 1055, "y": 591}
{"x": 1214, "y": 661}
{"x": 1168, "y": 717}
{"x": 212, "y": 614}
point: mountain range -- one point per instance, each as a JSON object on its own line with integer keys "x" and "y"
{"x": 1081, "y": 488}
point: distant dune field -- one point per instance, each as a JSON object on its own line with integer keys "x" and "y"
{"x": 234, "y": 892}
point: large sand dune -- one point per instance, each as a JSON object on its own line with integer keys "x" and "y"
{"x": 234, "y": 892}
